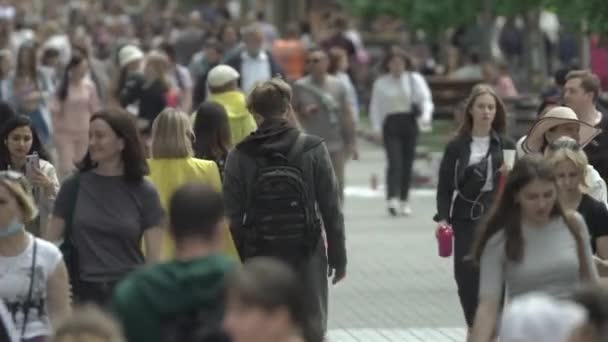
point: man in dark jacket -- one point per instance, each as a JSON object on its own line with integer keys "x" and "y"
{"x": 148, "y": 300}
{"x": 581, "y": 93}
{"x": 277, "y": 134}
{"x": 254, "y": 64}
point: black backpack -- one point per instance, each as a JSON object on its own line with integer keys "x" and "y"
{"x": 281, "y": 220}
{"x": 203, "y": 324}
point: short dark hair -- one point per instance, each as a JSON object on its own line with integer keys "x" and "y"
{"x": 270, "y": 99}
{"x": 195, "y": 210}
{"x": 124, "y": 126}
{"x": 589, "y": 81}
{"x": 269, "y": 284}
{"x": 396, "y": 52}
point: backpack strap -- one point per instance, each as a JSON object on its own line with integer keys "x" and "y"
{"x": 297, "y": 148}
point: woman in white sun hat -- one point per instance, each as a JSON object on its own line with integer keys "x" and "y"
{"x": 562, "y": 122}
{"x": 130, "y": 76}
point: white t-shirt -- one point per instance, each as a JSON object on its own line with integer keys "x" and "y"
{"x": 15, "y": 278}
{"x": 479, "y": 149}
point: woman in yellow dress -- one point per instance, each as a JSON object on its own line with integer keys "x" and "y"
{"x": 172, "y": 164}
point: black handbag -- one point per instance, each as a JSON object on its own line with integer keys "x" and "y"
{"x": 68, "y": 249}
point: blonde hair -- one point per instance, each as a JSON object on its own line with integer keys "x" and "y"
{"x": 19, "y": 189}
{"x": 157, "y": 67}
{"x": 88, "y": 320}
{"x": 172, "y": 135}
{"x": 568, "y": 149}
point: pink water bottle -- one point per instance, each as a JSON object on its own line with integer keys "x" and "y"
{"x": 445, "y": 236}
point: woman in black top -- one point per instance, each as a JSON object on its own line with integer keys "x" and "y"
{"x": 569, "y": 163}
{"x": 212, "y": 132}
{"x": 468, "y": 179}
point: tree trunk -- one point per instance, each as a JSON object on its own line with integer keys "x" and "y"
{"x": 535, "y": 55}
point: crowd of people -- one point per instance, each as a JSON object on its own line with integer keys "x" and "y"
{"x": 529, "y": 219}
{"x": 188, "y": 179}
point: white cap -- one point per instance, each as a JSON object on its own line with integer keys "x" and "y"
{"x": 538, "y": 317}
{"x": 222, "y": 74}
{"x": 128, "y": 54}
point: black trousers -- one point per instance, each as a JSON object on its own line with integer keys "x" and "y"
{"x": 400, "y": 133}
{"x": 99, "y": 293}
{"x": 465, "y": 272}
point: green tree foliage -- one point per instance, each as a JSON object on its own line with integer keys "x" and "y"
{"x": 437, "y": 15}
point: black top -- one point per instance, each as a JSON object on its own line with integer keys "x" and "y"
{"x": 596, "y": 217}
{"x": 596, "y": 149}
{"x": 455, "y": 174}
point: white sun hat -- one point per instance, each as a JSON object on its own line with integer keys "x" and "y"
{"x": 535, "y": 141}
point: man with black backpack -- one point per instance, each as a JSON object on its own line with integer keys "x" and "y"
{"x": 280, "y": 193}
{"x": 181, "y": 300}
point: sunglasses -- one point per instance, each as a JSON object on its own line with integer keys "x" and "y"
{"x": 314, "y": 60}
{"x": 568, "y": 144}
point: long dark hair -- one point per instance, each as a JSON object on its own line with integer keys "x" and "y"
{"x": 27, "y": 69}
{"x": 506, "y": 215}
{"x": 13, "y": 123}
{"x": 212, "y": 131}
{"x": 499, "y": 125}
{"x": 123, "y": 125}
{"x": 75, "y": 61}
{"x": 270, "y": 284}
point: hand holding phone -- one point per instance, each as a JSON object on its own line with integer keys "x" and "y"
{"x": 32, "y": 163}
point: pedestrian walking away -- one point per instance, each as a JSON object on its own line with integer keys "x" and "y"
{"x": 516, "y": 246}
{"x": 469, "y": 174}
{"x": 172, "y": 164}
{"x": 181, "y": 299}
{"x": 279, "y": 165}
{"x": 401, "y": 104}
{"x": 212, "y": 134}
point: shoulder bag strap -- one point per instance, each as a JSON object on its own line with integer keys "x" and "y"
{"x": 28, "y": 301}
{"x": 72, "y": 208}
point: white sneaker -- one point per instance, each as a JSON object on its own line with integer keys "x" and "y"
{"x": 393, "y": 206}
{"x": 405, "y": 209}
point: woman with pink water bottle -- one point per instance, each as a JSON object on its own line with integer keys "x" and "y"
{"x": 468, "y": 179}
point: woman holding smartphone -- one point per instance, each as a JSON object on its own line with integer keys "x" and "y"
{"x": 468, "y": 180}
{"x": 22, "y": 151}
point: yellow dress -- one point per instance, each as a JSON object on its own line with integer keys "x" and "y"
{"x": 169, "y": 174}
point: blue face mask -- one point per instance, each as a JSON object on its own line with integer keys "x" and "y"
{"x": 14, "y": 227}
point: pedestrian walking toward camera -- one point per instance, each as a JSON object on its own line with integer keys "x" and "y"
{"x": 528, "y": 243}
{"x": 569, "y": 163}
{"x": 400, "y": 105}
{"x": 105, "y": 210}
{"x": 23, "y": 152}
{"x": 183, "y": 299}
{"x": 468, "y": 180}
{"x": 279, "y": 184}
{"x": 321, "y": 104}
{"x": 34, "y": 283}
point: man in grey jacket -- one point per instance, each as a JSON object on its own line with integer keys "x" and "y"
{"x": 277, "y": 133}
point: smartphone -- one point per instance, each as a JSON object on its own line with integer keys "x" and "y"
{"x": 32, "y": 162}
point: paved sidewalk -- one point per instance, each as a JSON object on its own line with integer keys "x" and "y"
{"x": 397, "y": 288}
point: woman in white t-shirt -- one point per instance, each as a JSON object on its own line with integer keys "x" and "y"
{"x": 33, "y": 278}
